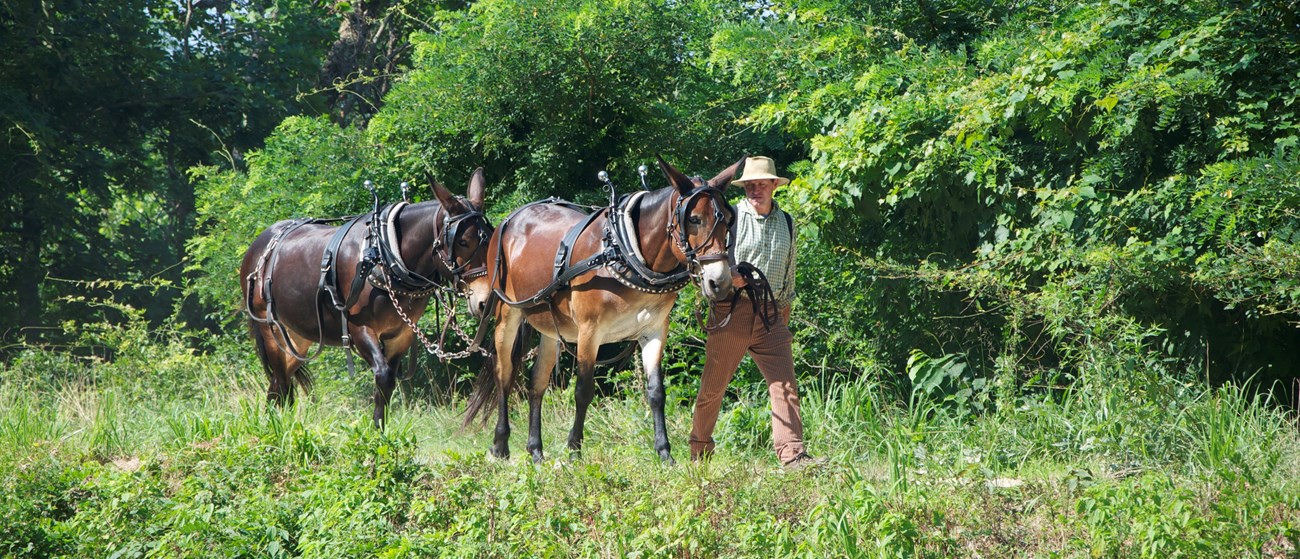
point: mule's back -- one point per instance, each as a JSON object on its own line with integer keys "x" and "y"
{"x": 292, "y": 267}
{"x": 524, "y": 262}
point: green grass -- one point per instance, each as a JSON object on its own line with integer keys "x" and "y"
{"x": 102, "y": 462}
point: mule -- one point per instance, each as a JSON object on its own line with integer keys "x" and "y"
{"x": 639, "y": 253}
{"x": 364, "y": 285}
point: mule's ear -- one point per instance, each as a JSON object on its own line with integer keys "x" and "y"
{"x": 477, "y": 184}
{"x": 675, "y": 177}
{"x": 723, "y": 180}
{"x": 444, "y": 196}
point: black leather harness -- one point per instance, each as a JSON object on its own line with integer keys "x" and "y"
{"x": 380, "y": 263}
{"x": 617, "y": 250}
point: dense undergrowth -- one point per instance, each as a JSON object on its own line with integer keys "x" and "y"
{"x": 162, "y": 452}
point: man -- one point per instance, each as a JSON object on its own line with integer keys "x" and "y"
{"x": 765, "y": 237}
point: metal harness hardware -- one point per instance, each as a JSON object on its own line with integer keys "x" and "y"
{"x": 618, "y": 249}
{"x": 382, "y": 265}
{"x": 391, "y": 275}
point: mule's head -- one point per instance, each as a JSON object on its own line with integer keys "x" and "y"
{"x": 463, "y": 240}
{"x": 701, "y": 228}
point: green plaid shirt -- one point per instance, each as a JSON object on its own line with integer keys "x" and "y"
{"x": 767, "y": 242}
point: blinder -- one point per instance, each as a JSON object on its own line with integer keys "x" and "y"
{"x": 444, "y": 247}
{"x": 722, "y": 214}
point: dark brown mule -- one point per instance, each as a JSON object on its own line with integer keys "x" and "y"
{"x": 682, "y": 232}
{"x": 426, "y": 247}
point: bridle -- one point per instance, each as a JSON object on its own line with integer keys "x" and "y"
{"x": 457, "y": 276}
{"x": 722, "y": 215}
{"x": 443, "y": 246}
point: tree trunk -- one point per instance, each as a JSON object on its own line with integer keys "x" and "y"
{"x": 359, "y": 68}
{"x": 29, "y": 271}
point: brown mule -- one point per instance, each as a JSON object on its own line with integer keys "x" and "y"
{"x": 641, "y": 250}
{"x": 417, "y": 250}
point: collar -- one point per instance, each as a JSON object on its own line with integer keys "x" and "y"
{"x": 746, "y": 208}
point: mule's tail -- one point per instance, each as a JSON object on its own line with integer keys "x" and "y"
{"x": 486, "y": 389}
{"x": 304, "y": 379}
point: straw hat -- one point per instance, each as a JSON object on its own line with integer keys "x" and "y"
{"x": 759, "y": 168}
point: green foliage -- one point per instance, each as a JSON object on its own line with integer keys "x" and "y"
{"x": 1152, "y": 516}
{"x": 545, "y": 94}
{"x": 104, "y": 107}
{"x": 317, "y": 480}
{"x": 859, "y": 523}
{"x": 1132, "y": 161}
{"x": 945, "y": 380}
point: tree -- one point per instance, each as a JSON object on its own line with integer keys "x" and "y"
{"x": 105, "y": 107}
{"x": 371, "y": 49}
{"x": 1069, "y": 165}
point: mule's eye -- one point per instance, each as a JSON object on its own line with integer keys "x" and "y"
{"x": 462, "y": 242}
{"x": 694, "y": 220}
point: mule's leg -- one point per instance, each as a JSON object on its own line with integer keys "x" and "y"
{"x": 506, "y": 333}
{"x": 584, "y": 388}
{"x": 393, "y": 372}
{"x": 279, "y": 364}
{"x": 542, "y": 368}
{"x": 652, "y": 354}
{"x": 371, "y": 350}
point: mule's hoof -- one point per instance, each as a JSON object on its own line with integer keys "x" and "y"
{"x": 494, "y": 454}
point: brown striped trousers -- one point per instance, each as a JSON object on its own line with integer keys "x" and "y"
{"x": 770, "y": 350}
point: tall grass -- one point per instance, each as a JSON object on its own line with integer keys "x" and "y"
{"x": 192, "y": 462}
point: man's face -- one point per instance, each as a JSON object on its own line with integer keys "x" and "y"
{"x": 759, "y": 192}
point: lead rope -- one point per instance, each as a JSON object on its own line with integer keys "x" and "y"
{"x": 760, "y": 297}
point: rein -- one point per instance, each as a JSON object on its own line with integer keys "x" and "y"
{"x": 760, "y": 295}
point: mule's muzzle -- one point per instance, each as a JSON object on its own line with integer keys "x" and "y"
{"x": 715, "y": 278}
{"x": 478, "y": 292}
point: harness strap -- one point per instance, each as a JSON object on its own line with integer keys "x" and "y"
{"x": 544, "y": 296}
{"x": 564, "y": 253}
{"x": 265, "y": 275}
{"x": 329, "y": 284}
{"x": 329, "y": 275}
{"x": 564, "y": 271}
{"x": 632, "y": 269}
{"x": 621, "y": 252}
{"x": 261, "y": 273}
